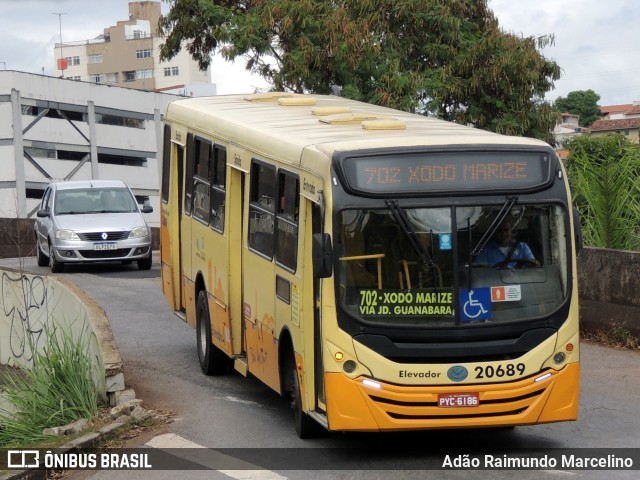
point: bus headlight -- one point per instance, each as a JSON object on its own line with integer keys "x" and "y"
{"x": 559, "y": 358}
{"x": 349, "y": 366}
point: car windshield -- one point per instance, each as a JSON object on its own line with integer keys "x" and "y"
{"x": 451, "y": 266}
{"x": 94, "y": 200}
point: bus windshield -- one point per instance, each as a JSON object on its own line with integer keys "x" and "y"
{"x": 449, "y": 266}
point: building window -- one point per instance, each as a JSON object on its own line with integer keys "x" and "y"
{"x": 144, "y": 74}
{"x": 73, "y": 61}
{"x": 627, "y": 132}
{"x": 95, "y": 58}
{"x": 171, "y": 71}
{"x": 36, "y": 152}
{"x": 112, "y": 77}
{"x": 123, "y": 160}
{"x": 54, "y": 113}
{"x": 119, "y": 121}
{"x": 96, "y": 78}
{"x": 129, "y": 76}
{"x": 146, "y": 53}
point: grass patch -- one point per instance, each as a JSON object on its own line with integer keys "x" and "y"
{"x": 614, "y": 337}
{"x": 58, "y": 389}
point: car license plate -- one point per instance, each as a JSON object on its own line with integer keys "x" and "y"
{"x": 453, "y": 400}
{"x": 105, "y": 246}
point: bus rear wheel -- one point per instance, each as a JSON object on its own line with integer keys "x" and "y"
{"x": 212, "y": 360}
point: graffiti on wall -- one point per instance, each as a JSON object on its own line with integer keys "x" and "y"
{"x": 26, "y": 310}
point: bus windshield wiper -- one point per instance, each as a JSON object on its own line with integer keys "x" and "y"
{"x": 400, "y": 216}
{"x": 502, "y": 214}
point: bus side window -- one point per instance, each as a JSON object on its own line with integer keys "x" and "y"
{"x": 262, "y": 208}
{"x": 202, "y": 167}
{"x": 218, "y": 187}
{"x": 287, "y": 220}
{"x": 188, "y": 181}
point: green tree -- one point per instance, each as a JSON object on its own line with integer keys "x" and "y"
{"x": 604, "y": 173}
{"x": 580, "y": 102}
{"x": 445, "y": 58}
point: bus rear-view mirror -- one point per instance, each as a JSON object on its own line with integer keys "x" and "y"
{"x": 322, "y": 255}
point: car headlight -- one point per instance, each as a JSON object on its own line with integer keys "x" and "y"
{"x": 67, "y": 235}
{"x": 139, "y": 232}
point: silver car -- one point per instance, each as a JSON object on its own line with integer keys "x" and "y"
{"x": 91, "y": 221}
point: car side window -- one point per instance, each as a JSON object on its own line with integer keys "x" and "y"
{"x": 46, "y": 199}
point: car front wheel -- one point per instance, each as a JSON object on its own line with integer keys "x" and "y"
{"x": 43, "y": 261}
{"x": 145, "y": 263}
{"x": 54, "y": 264}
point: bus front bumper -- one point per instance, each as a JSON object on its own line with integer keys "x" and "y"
{"x": 357, "y": 406}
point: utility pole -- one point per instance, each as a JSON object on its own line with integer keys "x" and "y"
{"x": 61, "y": 56}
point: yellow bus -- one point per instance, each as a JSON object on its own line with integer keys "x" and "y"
{"x": 340, "y": 253}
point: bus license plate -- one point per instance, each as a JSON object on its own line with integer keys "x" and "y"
{"x": 105, "y": 246}
{"x": 453, "y": 400}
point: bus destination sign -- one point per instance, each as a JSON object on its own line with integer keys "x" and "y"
{"x": 438, "y": 172}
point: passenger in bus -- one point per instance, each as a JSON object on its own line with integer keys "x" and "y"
{"x": 505, "y": 251}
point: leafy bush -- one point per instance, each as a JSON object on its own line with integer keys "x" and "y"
{"x": 604, "y": 173}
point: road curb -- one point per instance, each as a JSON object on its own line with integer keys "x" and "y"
{"x": 88, "y": 440}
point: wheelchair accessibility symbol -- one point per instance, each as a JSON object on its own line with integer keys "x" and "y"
{"x": 475, "y": 304}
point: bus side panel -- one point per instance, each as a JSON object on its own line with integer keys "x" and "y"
{"x": 260, "y": 343}
{"x": 217, "y": 283}
{"x": 166, "y": 263}
{"x": 262, "y": 352}
{"x": 258, "y": 294}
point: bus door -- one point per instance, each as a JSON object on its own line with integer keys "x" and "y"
{"x": 177, "y": 270}
{"x": 186, "y": 182}
{"x": 171, "y": 219}
{"x": 258, "y": 275}
{"x": 236, "y": 247}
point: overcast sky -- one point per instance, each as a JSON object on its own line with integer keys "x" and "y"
{"x": 597, "y": 42}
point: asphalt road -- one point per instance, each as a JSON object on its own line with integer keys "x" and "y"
{"x": 160, "y": 362}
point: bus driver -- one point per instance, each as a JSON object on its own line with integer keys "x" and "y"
{"x": 504, "y": 251}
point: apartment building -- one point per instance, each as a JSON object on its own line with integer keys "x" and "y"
{"x": 59, "y": 129}
{"x": 128, "y": 55}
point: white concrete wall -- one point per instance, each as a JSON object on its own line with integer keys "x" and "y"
{"x": 35, "y": 305}
{"x": 55, "y": 133}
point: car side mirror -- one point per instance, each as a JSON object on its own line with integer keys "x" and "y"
{"x": 42, "y": 213}
{"x": 322, "y": 253}
{"x": 147, "y": 209}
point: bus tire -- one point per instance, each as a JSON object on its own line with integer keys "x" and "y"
{"x": 212, "y": 360}
{"x": 306, "y": 427}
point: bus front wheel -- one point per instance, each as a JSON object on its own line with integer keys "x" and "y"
{"x": 306, "y": 427}
{"x": 212, "y": 360}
